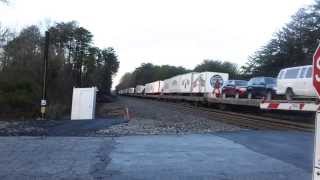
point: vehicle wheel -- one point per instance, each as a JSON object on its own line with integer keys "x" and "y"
{"x": 249, "y": 95}
{"x": 237, "y": 95}
{"x": 224, "y": 95}
{"x": 289, "y": 94}
{"x": 269, "y": 95}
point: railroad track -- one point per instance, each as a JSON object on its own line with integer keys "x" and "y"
{"x": 244, "y": 120}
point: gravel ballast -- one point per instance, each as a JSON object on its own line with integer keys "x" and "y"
{"x": 154, "y": 117}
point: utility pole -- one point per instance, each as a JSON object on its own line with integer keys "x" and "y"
{"x": 44, "y": 80}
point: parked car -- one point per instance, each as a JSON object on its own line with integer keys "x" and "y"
{"x": 296, "y": 82}
{"x": 261, "y": 87}
{"x": 234, "y": 88}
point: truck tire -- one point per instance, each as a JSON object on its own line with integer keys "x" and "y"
{"x": 237, "y": 95}
{"x": 289, "y": 94}
{"x": 223, "y": 95}
{"x": 268, "y": 95}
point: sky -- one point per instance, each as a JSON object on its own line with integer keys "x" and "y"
{"x": 174, "y": 32}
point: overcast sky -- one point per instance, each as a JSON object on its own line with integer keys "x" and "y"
{"x": 175, "y": 32}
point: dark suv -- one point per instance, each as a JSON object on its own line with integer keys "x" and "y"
{"x": 261, "y": 87}
{"x": 235, "y": 88}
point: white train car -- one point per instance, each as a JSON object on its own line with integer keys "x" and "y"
{"x": 185, "y": 83}
{"x": 198, "y": 84}
{"x": 166, "y": 86}
{"x": 190, "y": 83}
{"x": 209, "y": 82}
{"x": 180, "y": 84}
{"x": 130, "y": 90}
{"x": 140, "y": 89}
{"x": 154, "y": 87}
{"x": 174, "y": 86}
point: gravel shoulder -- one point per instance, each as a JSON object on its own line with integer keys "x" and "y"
{"x": 154, "y": 117}
{"x": 107, "y": 114}
{"x": 147, "y": 117}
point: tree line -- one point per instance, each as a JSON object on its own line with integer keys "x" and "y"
{"x": 73, "y": 62}
{"x": 293, "y": 45}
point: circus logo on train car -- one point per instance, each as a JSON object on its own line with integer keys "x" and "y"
{"x": 216, "y": 81}
{"x": 199, "y": 81}
{"x": 185, "y": 83}
{"x": 174, "y": 83}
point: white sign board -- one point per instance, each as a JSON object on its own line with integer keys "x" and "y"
{"x": 83, "y": 103}
{"x": 43, "y": 102}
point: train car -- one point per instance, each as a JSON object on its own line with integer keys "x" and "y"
{"x": 209, "y": 82}
{"x": 174, "y": 85}
{"x": 139, "y": 89}
{"x": 171, "y": 85}
{"x": 180, "y": 84}
{"x": 184, "y": 83}
{"x": 154, "y": 87}
{"x": 198, "y": 85}
{"x": 130, "y": 90}
{"x": 166, "y": 86}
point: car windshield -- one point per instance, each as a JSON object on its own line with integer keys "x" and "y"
{"x": 256, "y": 81}
{"x": 241, "y": 83}
{"x": 270, "y": 80}
{"x": 230, "y": 82}
{"x": 251, "y": 82}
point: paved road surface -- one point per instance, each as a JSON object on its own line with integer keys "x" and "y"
{"x": 245, "y": 155}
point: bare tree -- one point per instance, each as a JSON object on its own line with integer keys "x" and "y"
{"x": 6, "y": 35}
{"x": 4, "y": 32}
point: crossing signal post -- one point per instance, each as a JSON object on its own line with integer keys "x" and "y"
{"x": 43, "y": 102}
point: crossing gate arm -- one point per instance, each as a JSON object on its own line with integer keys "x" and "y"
{"x": 290, "y": 106}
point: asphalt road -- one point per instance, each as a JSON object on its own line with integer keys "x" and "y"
{"x": 240, "y": 155}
